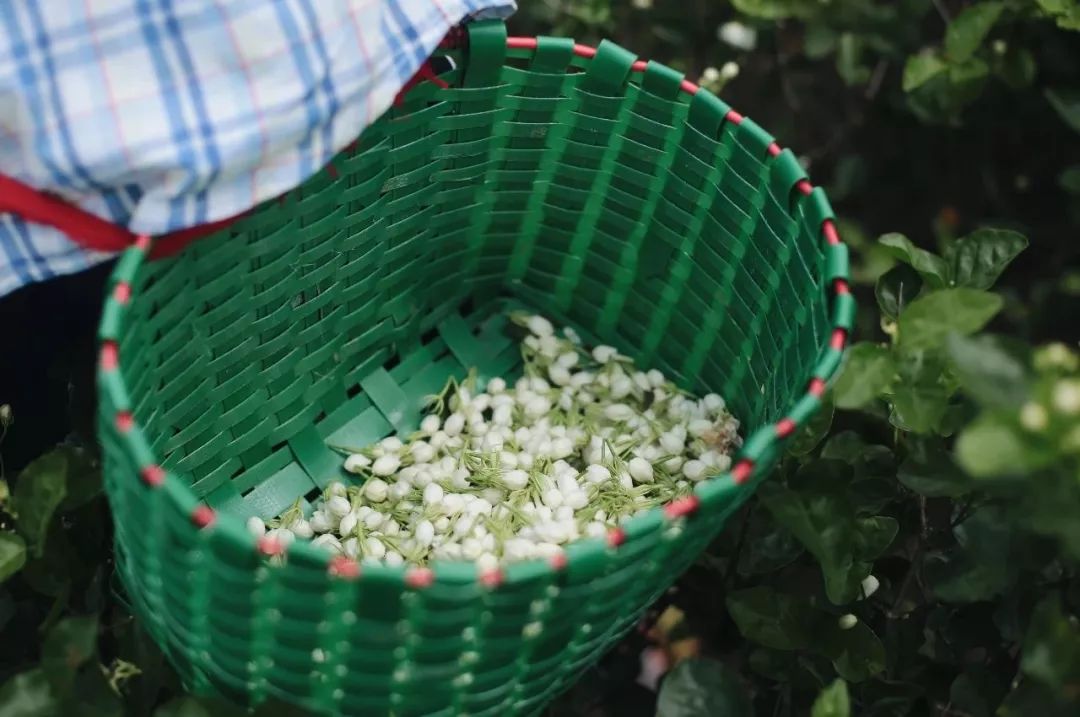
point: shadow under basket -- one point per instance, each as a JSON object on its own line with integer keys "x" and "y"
{"x": 603, "y": 192}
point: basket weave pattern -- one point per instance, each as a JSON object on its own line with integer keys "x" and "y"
{"x": 601, "y": 191}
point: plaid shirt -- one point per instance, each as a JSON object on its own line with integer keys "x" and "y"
{"x": 166, "y": 114}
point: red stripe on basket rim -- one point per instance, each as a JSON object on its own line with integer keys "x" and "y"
{"x": 829, "y": 229}
{"x": 817, "y": 387}
{"x": 841, "y": 287}
{"x": 152, "y": 475}
{"x": 742, "y": 470}
{"x": 110, "y": 355}
{"x": 121, "y": 293}
{"x": 342, "y": 566}
{"x": 124, "y": 421}
{"x": 270, "y": 545}
{"x": 419, "y": 578}
{"x": 680, "y": 507}
{"x": 774, "y": 149}
{"x": 491, "y": 578}
{"x": 804, "y": 187}
{"x": 616, "y": 537}
{"x": 557, "y": 561}
{"x": 785, "y": 427}
{"x": 838, "y": 339}
{"x": 203, "y": 516}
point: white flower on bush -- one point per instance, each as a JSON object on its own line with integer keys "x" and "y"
{"x": 737, "y": 35}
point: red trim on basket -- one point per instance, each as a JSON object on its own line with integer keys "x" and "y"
{"x": 491, "y": 578}
{"x": 121, "y": 293}
{"x": 841, "y": 287}
{"x": 616, "y": 537}
{"x": 817, "y": 387}
{"x": 774, "y": 149}
{"x": 110, "y": 355}
{"x": 639, "y": 66}
{"x": 270, "y": 545}
{"x": 419, "y": 578}
{"x": 742, "y": 471}
{"x": 342, "y": 566}
{"x": 558, "y": 561}
{"x": 734, "y": 117}
{"x": 152, "y": 475}
{"x": 584, "y": 51}
{"x": 804, "y": 187}
{"x": 839, "y": 336}
{"x": 124, "y": 421}
{"x": 785, "y": 427}
{"x": 829, "y": 229}
{"x": 689, "y": 87}
{"x": 424, "y": 73}
{"x": 521, "y": 43}
{"x": 203, "y": 516}
{"x": 682, "y": 506}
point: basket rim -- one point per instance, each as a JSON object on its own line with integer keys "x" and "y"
{"x": 753, "y": 459}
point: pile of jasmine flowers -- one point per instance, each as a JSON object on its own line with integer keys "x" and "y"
{"x": 581, "y": 442}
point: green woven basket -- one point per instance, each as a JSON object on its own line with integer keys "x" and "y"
{"x": 606, "y": 193}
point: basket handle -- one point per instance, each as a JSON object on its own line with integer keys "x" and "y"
{"x": 89, "y": 230}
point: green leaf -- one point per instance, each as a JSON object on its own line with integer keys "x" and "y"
{"x": 67, "y": 647}
{"x": 1017, "y": 68}
{"x": 1034, "y": 698}
{"x": 976, "y": 692}
{"x": 772, "y": 619}
{"x": 929, "y": 470}
{"x": 91, "y": 696}
{"x": 984, "y": 562}
{"x": 28, "y": 694}
{"x": 1069, "y": 179}
{"x": 921, "y": 394}
{"x": 810, "y": 435}
{"x": 42, "y": 486}
{"x": 967, "y": 31}
{"x": 897, "y": 288}
{"x": 777, "y": 9}
{"x": 833, "y": 701}
{"x": 991, "y": 447}
{"x": 819, "y": 41}
{"x": 932, "y": 317}
{"x": 977, "y": 260}
{"x": 989, "y": 372}
{"x": 824, "y": 520}
{"x": 1051, "y": 653}
{"x": 867, "y": 372}
{"x": 849, "y": 64}
{"x": 857, "y": 653}
{"x": 1067, "y": 104}
{"x": 703, "y": 686}
{"x": 873, "y": 536}
{"x": 12, "y": 554}
{"x": 931, "y": 267}
{"x": 920, "y": 69}
{"x": 767, "y": 548}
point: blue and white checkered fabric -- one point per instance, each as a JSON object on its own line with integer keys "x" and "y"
{"x": 165, "y": 114}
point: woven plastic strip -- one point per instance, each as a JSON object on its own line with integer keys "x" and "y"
{"x": 601, "y": 190}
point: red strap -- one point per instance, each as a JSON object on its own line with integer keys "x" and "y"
{"x": 86, "y": 229}
{"x": 424, "y": 73}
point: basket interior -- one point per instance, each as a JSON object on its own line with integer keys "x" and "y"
{"x": 629, "y": 211}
